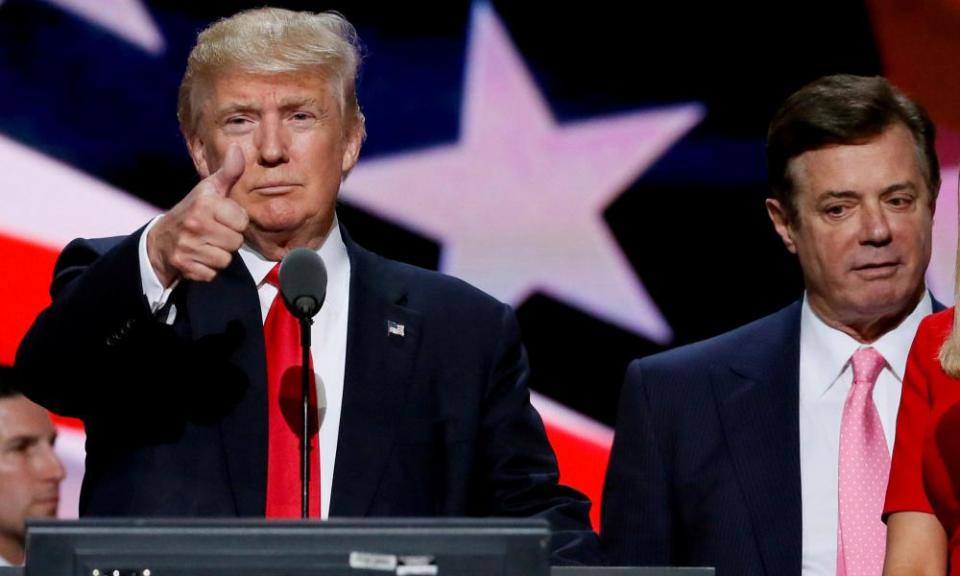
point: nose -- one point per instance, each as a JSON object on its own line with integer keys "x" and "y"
{"x": 49, "y": 465}
{"x": 272, "y": 142}
{"x": 875, "y": 225}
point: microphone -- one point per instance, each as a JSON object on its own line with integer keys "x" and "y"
{"x": 303, "y": 282}
{"x": 303, "y": 285}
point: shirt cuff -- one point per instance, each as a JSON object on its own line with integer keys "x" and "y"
{"x": 153, "y": 290}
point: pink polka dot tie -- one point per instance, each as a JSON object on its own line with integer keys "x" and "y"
{"x": 864, "y": 467}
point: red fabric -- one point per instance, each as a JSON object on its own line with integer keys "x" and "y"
{"x": 925, "y": 472}
{"x": 281, "y": 333}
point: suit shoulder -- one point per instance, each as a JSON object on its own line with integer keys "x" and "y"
{"x": 772, "y": 331}
{"x": 430, "y": 289}
{"x": 83, "y": 248}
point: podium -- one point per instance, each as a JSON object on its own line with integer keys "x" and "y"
{"x": 628, "y": 571}
{"x": 349, "y": 547}
{"x": 341, "y": 547}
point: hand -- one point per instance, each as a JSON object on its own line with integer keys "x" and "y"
{"x": 197, "y": 237}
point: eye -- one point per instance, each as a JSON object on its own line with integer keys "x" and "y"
{"x": 900, "y": 201}
{"x": 301, "y": 117}
{"x": 19, "y": 445}
{"x": 835, "y": 210}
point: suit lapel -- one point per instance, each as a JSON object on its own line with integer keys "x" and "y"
{"x": 382, "y": 341}
{"x": 229, "y": 306}
{"x": 757, "y": 396}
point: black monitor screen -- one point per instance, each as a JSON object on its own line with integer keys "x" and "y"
{"x": 449, "y": 547}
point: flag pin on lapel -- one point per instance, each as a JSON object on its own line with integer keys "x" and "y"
{"x": 394, "y": 328}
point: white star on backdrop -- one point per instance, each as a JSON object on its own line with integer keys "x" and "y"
{"x": 518, "y": 202}
{"x": 128, "y": 19}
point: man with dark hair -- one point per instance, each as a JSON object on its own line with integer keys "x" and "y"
{"x": 30, "y": 472}
{"x": 765, "y": 450}
{"x": 177, "y": 351}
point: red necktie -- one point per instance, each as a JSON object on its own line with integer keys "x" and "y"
{"x": 281, "y": 334}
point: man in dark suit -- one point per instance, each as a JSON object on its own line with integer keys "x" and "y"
{"x": 166, "y": 342}
{"x": 728, "y": 452}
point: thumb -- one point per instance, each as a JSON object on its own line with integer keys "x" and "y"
{"x": 230, "y": 171}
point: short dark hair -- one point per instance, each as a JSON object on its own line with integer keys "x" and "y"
{"x": 8, "y": 388}
{"x": 843, "y": 109}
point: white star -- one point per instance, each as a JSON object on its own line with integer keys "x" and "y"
{"x": 128, "y": 19}
{"x": 518, "y": 202}
{"x": 55, "y": 203}
{"x": 941, "y": 274}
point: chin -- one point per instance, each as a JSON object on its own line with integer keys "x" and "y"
{"x": 45, "y": 510}
{"x": 891, "y": 301}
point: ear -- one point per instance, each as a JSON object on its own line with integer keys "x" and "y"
{"x": 198, "y": 154}
{"x": 781, "y": 224}
{"x": 353, "y": 140}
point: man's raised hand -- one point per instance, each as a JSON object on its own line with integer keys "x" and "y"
{"x": 197, "y": 237}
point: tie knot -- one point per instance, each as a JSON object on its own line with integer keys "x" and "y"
{"x": 867, "y": 364}
{"x": 273, "y": 276}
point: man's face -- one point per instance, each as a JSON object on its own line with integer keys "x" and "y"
{"x": 295, "y": 145}
{"x": 30, "y": 472}
{"x": 863, "y": 235}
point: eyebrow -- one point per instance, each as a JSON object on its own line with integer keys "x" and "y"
{"x": 844, "y": 194}
{"x": 286, "y": 104}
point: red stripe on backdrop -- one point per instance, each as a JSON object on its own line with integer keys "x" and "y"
{"x": 583, "y": 465}
{"x": 27, "y": 270}
{"x": 65, "y": 422}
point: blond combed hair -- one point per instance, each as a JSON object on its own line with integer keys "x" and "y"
{"x": 274, "y": 41}
{"x": 950, "y": 351}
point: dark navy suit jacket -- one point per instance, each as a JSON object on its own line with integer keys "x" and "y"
{"x": 705, "y": 466}
{"x": 436, "y": 422}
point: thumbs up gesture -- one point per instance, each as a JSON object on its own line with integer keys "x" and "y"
{"x": 197, "y": 237}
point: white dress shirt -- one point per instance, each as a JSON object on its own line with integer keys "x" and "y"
{"x": 825, "y": 380}
{"x": 328, "y": 334}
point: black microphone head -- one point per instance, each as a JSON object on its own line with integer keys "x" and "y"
{"x": 303, "y": 282}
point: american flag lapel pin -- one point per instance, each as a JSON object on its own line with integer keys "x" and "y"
{"x": 394, "y": 328}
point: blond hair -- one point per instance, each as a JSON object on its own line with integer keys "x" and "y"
{"x": 950, "y": 351}
{"x": 274, "y": 41}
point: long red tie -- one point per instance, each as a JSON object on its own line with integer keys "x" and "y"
{"x": 281, "y": 333}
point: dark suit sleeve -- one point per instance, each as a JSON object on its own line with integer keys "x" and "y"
{"x": 637, "y": 523}
{"x": 523, "y": 478}
{"x": 72, "y": 357}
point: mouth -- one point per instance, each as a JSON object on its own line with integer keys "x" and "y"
{"x": 877, "y": 270}
{"x": 274, "y": 188}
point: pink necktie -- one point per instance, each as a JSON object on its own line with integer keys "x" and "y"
{"x": 864, "y": 466}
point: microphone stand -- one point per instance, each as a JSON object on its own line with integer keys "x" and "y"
{"x": 305, "y": 324}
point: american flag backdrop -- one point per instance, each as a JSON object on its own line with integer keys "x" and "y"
{"x": 598, "y": 166}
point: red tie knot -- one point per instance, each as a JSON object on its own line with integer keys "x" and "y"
{"x": 273, "y": 276}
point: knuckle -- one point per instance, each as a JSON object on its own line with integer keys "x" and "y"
{"x": 236, "y": 240}
{"x": 224, "y": 259}
{"x": 193, "y": 224}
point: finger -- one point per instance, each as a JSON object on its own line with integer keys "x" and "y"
{"x": 231, "y": 214}
{"x": 225, "y": 239}
{"x": 230, "y": 171}
{"x": 198, "y": 272}
{"x": 213, "y": 257}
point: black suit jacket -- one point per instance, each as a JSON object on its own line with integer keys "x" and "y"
{"x": 705, "y": 466}
{"x": 436, "y": 422}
